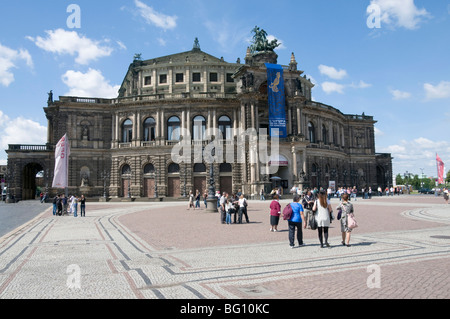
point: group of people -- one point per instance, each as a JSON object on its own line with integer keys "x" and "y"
{"x": 234, "y": 205}
{"x": 194, "y": 201}
{"x": 64, "y": 205}
{"x": 314, "y": 212}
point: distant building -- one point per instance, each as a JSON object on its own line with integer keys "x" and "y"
{"x": 126, "y": 143}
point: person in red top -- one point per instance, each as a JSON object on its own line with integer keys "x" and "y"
{"x": 275, "y": 211}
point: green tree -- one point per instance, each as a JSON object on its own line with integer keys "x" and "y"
{"x": 399, "y": 180}
{"x": 415, "y": 182}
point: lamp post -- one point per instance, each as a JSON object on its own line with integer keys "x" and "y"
{"x": 212, "y": 199}
{"x": 105, "y": 176}
{"x": 156, "y": 182}
{"x": 344, "y": 173}
{"x": 184, "y": 171}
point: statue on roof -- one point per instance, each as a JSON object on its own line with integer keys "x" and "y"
{"x": 196, "y": 44}
{"x": 261, "y": 43}
{"x": 137, "y": 57}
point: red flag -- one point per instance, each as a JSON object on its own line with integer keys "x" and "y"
{"x": 440, "y": 169}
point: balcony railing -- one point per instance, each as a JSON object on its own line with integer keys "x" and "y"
{"x": 30, "y": 148}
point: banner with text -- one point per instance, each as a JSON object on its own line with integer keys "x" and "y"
{"x": 277, "y": 100}
{"x": 61, "y": 175}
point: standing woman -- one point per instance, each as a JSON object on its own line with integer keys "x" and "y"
{"x": 323, "y": 208}
{"x": 296, "y": 222}
{"x": 83, "y": 206}
{"x": 346, "y": 208}
{"x": 275, "y": 211}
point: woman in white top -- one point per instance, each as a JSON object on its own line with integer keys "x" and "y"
{"x": 322, "y": 209}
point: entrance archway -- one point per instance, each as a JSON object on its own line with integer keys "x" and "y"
{"x": 30, "y": 181}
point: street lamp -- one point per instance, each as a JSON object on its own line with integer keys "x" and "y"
{"x": 105, "y": 176}
{"x": 156, "y": 182}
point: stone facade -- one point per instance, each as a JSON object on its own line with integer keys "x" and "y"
{"x": 126, "y": 143}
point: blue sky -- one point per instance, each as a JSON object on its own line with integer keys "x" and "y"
{"x": 386, "y": 58}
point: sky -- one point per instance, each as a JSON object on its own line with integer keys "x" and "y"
{"x": 386, "y": 58}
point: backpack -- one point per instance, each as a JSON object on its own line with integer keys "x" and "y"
{"x": 287, "y": 212}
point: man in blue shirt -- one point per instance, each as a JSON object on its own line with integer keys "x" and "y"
{"x": 296, "y": 222}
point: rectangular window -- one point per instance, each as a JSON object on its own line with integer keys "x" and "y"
{"x": 213, "y": 77}
{"x": 148, "y": 80}
{"x": 163, "y": 78}
{"x": 230, "y": 78}
{"x": 196, "y": 77}
{"x": 179, "y": 77}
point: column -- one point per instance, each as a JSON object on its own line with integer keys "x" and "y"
{"x": 294, "y": 166}
{"x": 234, "y": 123}
{"x": 158, "y": 125}
{"x": 117, "y": 137}
{"x": 183, "y": 123}
{"x": 299, "y": 124}
{"x": 289, "y": 121}
{"x": 252, "y": 112}
{"x": 163, "y": 133}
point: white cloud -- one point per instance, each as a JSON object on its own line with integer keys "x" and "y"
{"x": 20, "y": 131}
{"x": 61, "y": 41}
{"x": 378, "y": 132}
{"x": 418, "y": 153}
{"x": 89, "y": 84}
{"x": 441, "y": 91}
{"x": 158, "y": 19}
{"x": 400, "y": 95}
{"x": 332, "y": 73}
{"x": 8, "y": 59}
{"x": 330, "y": 87}
{"x": 401, "y": 13}
{"x": 162, "y": 42}
{"x": 281, "y": 42}
{"x": 361, "y": 85}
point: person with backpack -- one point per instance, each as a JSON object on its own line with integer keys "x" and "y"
{"x": 295, "y": 221}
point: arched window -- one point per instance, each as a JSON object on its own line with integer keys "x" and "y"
{"x": 127, "y": 131}
{"x": 198, "y": 128}
{"x": 173, "y": 129}
{"x": 149, "y": 169}
{"x": 324, "y": 135}
{"x": 225, "y": 168}
{"x": 225, "y": 127}
{"x": 126, "y": 170}
{"x": 199, "y": 168}
{"x": 311, "y": 133}
{"x": 173, "y": 168}
{"x": 149, "y": 129}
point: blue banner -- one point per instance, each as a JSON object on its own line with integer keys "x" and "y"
{"x": 277, "y": 100}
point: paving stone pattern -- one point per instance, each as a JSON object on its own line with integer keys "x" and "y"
{"x": 401, "y": 250}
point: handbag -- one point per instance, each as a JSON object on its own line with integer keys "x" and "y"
{"x": 351, "y": 221}
{"x": 312, "y": 221}
{"x": 339, "y": 213}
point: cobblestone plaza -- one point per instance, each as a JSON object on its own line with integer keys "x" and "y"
{"x": 165, "y": 251}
